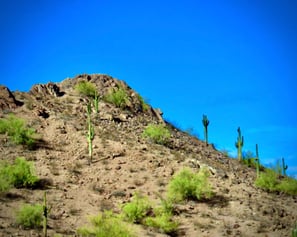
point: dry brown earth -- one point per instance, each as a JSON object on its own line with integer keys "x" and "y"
{"x": 123, "y": 163}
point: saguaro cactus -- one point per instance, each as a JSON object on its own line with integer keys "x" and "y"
{"x": 239, "y": 144}
{"x": 96, "y": 101}
{"x": 284, "y": 167}
{"x": 90, "y": 134}
{"x": 257, "y": 159}
{"x": 205, "y": 123}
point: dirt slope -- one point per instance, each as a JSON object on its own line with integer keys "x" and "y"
{"x": 125, "y": 162}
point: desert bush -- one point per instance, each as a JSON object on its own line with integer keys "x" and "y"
{"x": 30, "y": 216}
{"x": 163, "y": 222}
{"x": 17, "y": 131}
{"x": 20, "y": 174}
{"x": 271, "y": 181}
{"x": 268, "y": 180}
{"x": 105, "y": 225}
{"x": 86, "y": 88}
{"x": 118, "y": 97}
{"x": 5, "y": 183}
{"x": 137, "y": 209}
{"x": 189, "y": 185}
{"x": 163, "y": 217}
{"x": 157, "y": 133}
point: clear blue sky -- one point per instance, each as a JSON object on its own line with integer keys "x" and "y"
{"x": 235, "y": 61}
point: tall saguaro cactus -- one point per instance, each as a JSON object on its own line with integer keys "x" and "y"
{"x": 239, "y": 144}
{"x": 91, "y": 133}
{"x": 284, "y": 167}
{"x": 205, "y": 123}
{"x": 257, "y": 159}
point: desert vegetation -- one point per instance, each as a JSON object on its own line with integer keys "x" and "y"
{"x": 117, "y": 96}
{"x": 17, "y": 131}
{"x": 147, "y": 178}
{"x": 157, "y": 133}
{"x": 20, "y": 174}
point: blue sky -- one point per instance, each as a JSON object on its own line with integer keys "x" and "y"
{"x": 235, "y": 61}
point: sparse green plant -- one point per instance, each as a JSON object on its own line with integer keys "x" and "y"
{"x": 268, "y": 180}
{"x": 205, "y": 123}
{"x": 137, "y": 209}
{"x": 18, "y": 131}
{"x": 118, "y": 96}
{"x": 86, "y": 88}
{"x": 189, "y": 185}
{"x": 20, "y": 174}
{"x": 287, "y": 185}
{"x": 271, "y": 181}
{"x": 239, "y": 144}
{"x": 106, "y": 224}
{"x": 157, "y": 133}
{"x": 5, "y": 181}
{"x": 163, "y": 222}
{"x": 249, "y": 159}
{"x": 30, "y": 216}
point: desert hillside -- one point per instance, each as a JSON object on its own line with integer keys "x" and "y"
{"x": 123, "y": 163}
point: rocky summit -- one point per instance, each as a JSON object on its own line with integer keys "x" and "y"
{"x": 125, "y": 162}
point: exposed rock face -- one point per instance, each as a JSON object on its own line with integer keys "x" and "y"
{"x": 49, "y": 89}
{"x": 7, "y": 99}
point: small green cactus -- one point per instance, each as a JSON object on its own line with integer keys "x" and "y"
{"x": 90, "y": 133}
{"x": 46, "y": 211}
{"x": 284, "y": 167}
{"x": 239, "y": 144}
{"x": 96, "y": 101}
{"x": 257, "y": 159}
{"x": 205, "y": 123}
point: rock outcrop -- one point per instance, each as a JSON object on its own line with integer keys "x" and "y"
{"x": 7, "y": 99}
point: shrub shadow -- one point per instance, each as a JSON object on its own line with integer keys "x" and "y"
{"x": 217, "y": 201}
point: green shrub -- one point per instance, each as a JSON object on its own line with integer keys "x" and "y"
{"x": 17, "y": 131}
{"x": 86, "y": 88}
{"x": 105, "y": 225}
{"x": 162, "y": 222}
{"x": 137, "y": 209}
{"x": 5, "y": 182}
{"x": 158, "y": 133}
{"x": 30, "y": 216}
{"x": 118, "y": 97}
{"x": 20, "y": 174}
{"x": 189, "y": 185}
{"x": 271, "y": 181}
{"x": 267, "y": 180}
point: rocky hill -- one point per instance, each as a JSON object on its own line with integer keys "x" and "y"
{"x": 125, "y": 162}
